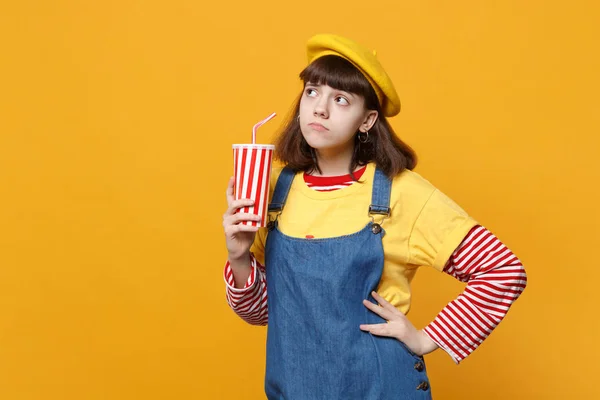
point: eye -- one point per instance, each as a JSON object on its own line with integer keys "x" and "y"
{"x": 342, "y": 100}
{"x": 311, "y": 92}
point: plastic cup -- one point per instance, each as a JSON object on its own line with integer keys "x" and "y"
{"x": 252, "y": 173}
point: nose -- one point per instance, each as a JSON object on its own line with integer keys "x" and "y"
{"x": 321, "y": 108}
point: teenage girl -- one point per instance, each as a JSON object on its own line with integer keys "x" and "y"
{"x": 351, "y": 223}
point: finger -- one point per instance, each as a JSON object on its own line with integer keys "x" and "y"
{"x": 240, "y": 217}
{"x": 382, "y": 312}
{"x": 229, "y": 191}
{"x": 376, "y": 329}
{"x": 235, "y": 229}
{"x": 384, "y": 303}
{"x": 237, "y": 204}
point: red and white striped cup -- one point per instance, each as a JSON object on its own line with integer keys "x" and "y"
{"x": 252, "y": 173}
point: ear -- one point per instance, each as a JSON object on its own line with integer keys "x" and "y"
{"x": 370, "y": 119}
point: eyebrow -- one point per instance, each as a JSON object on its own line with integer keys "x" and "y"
{"x": 339, "y": 90}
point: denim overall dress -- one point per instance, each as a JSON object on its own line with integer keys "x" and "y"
{"x": 315, "y": 349}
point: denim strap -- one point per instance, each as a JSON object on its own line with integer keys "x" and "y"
{"x": 282, "y": 188}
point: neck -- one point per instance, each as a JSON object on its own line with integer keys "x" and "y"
{"x": 334, "y": 162}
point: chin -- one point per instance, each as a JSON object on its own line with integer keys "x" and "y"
{"x": 317, "y": 144}
{"x": 313, "y": 141}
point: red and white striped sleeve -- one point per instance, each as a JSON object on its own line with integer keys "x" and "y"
{"x": 495, "y": 279}
{"x": 249, "y": 302}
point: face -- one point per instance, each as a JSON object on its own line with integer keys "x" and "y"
{"x": 330, "y": 118}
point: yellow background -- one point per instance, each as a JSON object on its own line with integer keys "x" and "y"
{"x": 116, "y": 120}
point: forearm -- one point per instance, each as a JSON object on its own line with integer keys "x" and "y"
{"x": 241, "y": 269}
{"x": 495, "y": 277}
{"x": 249, "y": 301}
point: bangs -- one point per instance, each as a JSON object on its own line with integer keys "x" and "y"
{"x": 340, "y": 74}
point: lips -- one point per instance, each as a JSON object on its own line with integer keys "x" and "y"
{"x": 318, "y": 127}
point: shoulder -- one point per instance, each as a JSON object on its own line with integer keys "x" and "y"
{"x": 413, "y": 194}
{"x": 275, "y": 172}
{"x": 411, "y": 185}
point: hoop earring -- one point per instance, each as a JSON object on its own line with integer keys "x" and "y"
{"x": 363, "y": 137}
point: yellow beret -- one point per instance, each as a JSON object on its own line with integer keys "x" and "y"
{"x": 366, "y": 61}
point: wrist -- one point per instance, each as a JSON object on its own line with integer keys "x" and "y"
{"x": 242, "y": 261}
{"x": 427, "y": 344}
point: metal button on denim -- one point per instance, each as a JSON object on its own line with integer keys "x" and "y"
{"x": 419, "y": 366}
{"x": 423, "y": 386}
{"x": 376, "y": 228}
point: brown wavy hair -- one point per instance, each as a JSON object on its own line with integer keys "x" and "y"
{"x": 383, "y": 147}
